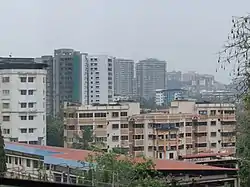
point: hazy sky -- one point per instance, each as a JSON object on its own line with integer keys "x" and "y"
{"x": 185, "y": 33}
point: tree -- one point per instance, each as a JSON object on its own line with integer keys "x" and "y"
{"x": 55, "y": 131}
{"x": 3, "y": 167}
{"x": 86, "y": 140}
{"x": 109, "y": 169}
{"x": 236, "y": 52}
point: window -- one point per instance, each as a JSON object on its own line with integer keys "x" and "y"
{"x": 31, "y": 117}
{"x": 23, "y": 79}
{"x": 124, "y": 126}
{"x": 23, "y": 92}
{"x": 31, "y": 92}
{"x": 31, "y": 130}
{"x": 115, "y": 114}
{"x": 171, "y": 155}
{"x": 115, "y": 138}
{"x": 6, "y": 105}
{"x": 16, "y": 161}
{"x": 115, "y": 126}
{"x": 20, "y": 161}
{"x": 23, "y": 117}
{"x": 6, "y": 131}
{"x": 5, "y": 79}
{"x": 100, "y": 114}
{"x": 213, "y": 145}
{"x": 9, "y": 159}
{"x": 188, "y": 134}
{"x": 138, "y": 126}
{"x": 6, "y": 92}
{"x": 31, "y": 105}
{"x": 6, "y": 118}
{"x": 203, "y": 112}
{"x": 213, "y": 134}
{"x": 212, "y": 112}
{"x": 23, "y": 130}
{"x": 100, "y": 126}
{"x": 35, "y": 164}
{"x": 124, "y": 114}
{"x": 28, "y": 162}
{"x": 213, "y": 123}
{"x": 85, "y": 115}
{"x": 124, "y": 137}
{"x": 23, "y": 105}
{"x": 30, "y": 79}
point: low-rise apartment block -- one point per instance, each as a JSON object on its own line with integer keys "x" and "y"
{"x": 187, "y": 128}
{"x": 108, "y": 121}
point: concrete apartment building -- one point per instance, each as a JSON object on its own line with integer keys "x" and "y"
{"x": 123, "y": 77}
{"x": 151, "y": 74}
{"x": 109, "y": 122}
{"x": 100, "y": 79}
{"x": 23, "y": 100}
{"x": 188, "y": 128}
{"x": 67, "y": 77}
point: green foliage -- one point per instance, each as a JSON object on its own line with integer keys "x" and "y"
{"x": 86, "y": 141}
{"x": 243, "y": 143}
{"x": 3, "y": 167}
{"x": 55, "y": 130}
{"x": 109, "y": 169}
{"x": 83, "y": 141}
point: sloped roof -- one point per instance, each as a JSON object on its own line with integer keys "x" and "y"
{"x": 71, "y": 157}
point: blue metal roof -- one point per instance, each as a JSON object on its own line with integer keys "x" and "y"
{"x": 29, "y": 150}
{"x": 48, "y": 156}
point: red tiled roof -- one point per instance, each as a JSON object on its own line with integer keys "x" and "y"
{"x": 204, "y": 155}
{"x": 74, "y": 154}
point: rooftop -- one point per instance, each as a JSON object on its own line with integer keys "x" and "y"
{"x": 71, "y": 157}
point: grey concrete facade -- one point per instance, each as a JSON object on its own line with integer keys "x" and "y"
{"x": 123, "y": 77}
{"x": 151, "y": 74}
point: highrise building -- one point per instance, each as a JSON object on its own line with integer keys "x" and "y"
{"x": 100, "y": 73}
{"x": 150, "y": 75}
{"x": 23, "y": 100}
{"x": 123, "y": 77}
{"x": 66, "y": 77}
{"x": 48, "y": 59}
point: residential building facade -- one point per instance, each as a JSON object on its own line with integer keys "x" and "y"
{"x": 188, "y": 128}
{"x": 150, "y": 75}
{"x": 108, "y": 121}
{"x": 165, "y": 97}
{"x": 123, "y": 77}
{"x": 23, "y": 100}
{"x": 100, "y": 79}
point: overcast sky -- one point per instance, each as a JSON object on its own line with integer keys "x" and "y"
{"x": 185, "y": 33}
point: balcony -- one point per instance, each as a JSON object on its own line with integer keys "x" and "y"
{"x": 85, "y": 120}
{"x": 124, "y": 131}
{"x": 71, "y": 121}
{"x": 202, "y": 128}
{"x": 202, "y": 139}
{"x": 228, "y": 128}
{"x": 139, "y": 142}
{"x": 229, "y": 117}
{"x": 139, "y": 131}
